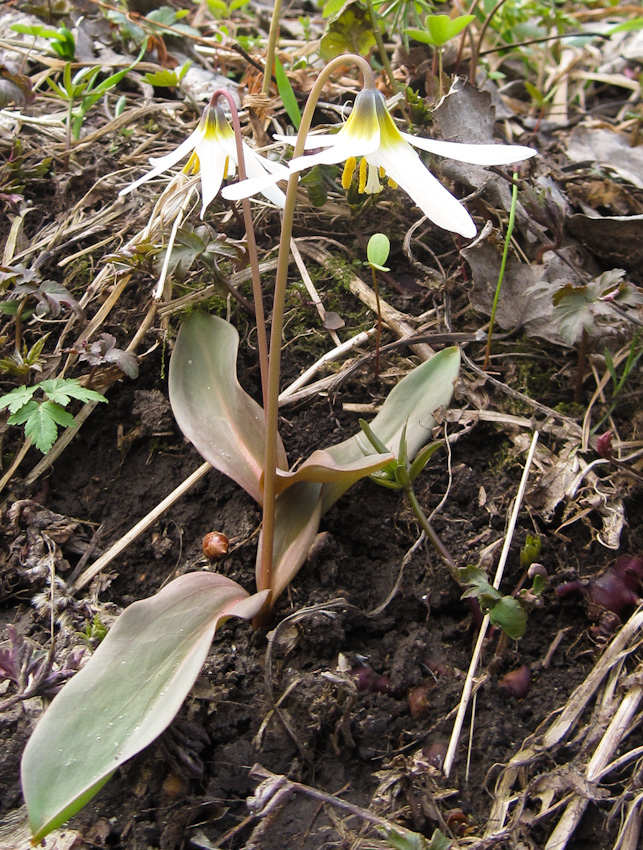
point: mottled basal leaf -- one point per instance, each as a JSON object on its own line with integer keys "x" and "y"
{"x": 126, "y": 695}
{"x": 410, "y": 404}
{"x": 226, "y": 426}
{"x": 322, "y": 468}
{"x": 297, "y": 516}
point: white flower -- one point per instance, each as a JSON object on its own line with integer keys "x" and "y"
{"x": 213, "y": 154}
{"x": 370, "y": 133}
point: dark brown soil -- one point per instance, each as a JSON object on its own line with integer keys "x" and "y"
{"x": 365, "y": 745}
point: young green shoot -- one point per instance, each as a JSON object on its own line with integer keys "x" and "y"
{"x": 438, "y": 31}
{"x": 400, "y": 474}
{"x": 377, "y": 252}
{"x": 503, "y": 264}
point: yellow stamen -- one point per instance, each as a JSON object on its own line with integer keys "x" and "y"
{"x": 225, "y": 168}
{"x": 392, "y": 183}
{"x": 363, "y": 171}
{"x": 192, "y": 165}
{"x": 382, "y": 172}
{"x": 349, "y": 170}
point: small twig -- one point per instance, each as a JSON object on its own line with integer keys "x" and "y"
{"x": 310, "y": 286}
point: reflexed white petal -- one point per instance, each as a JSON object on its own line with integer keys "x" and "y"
{"x": 257, "y": 166}
{"x": 473, "y": 154}
{"x": 251, "y": 186}
{"x": 212, "y": 159}
{"x": 162, "y": 163}
{"x": 404, "y": 165}
{"x": 319, "y": 140}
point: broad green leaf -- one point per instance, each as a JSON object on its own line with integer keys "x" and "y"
{"x": 61, "y": 390}
{"x": 226, "y": 426}
{"x": 287, "y": 95}
{"x": 411, "y": 405}
{"x": 17, "y": 398}
{"x": 627, "y": 26}
{"x": 126, "y": 695}
{"x": 40, "y": 427}
{"x": 350, "y": 32}
{"x": 509, "y": 614}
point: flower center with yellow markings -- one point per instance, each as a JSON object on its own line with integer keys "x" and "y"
{"x": 369, "y": 176}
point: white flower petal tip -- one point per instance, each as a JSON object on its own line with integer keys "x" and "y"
{"x": 371, "y": 134}
{"x": 213, "y": 154}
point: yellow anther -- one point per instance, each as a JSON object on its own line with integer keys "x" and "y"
{"x": 382, "y": 172}
{"x": 225, "y": 168}
{"x": 363, "y": 171}
{"x": 349, "y": 170}
{"x": 392, "y": 183}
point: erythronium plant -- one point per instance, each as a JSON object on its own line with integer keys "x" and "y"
{"x": 134, "y": 684}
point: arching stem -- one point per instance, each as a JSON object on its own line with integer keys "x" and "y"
{"x": 264, "y": 569}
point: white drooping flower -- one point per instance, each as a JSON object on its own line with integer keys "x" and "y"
{"x": 213, "y": 155}
{"x": 371, "y": 136}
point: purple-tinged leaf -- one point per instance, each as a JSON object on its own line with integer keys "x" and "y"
{"x": 226, "y": 426}
{"x": 126, "y": 695}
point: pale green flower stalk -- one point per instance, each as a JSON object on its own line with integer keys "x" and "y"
{"x": 264, "y": 573}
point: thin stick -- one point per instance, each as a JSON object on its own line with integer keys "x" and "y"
{"x": 140, "y": 527}
{"x": 468, "y": 685}
{"x": 310, "y": 286}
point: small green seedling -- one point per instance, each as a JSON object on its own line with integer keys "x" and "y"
{"x": 42, "y": 416}
{"x": 530, "y": 552}
{"x": 168, "y": 78}
{"x": 84, "y": 90}
{"x": 438, "y": 31}
{"x": 503, "y": 611}
{"x": 62, "y": 40}
{"x": 20, "y": 363}
{"x": 399, "y": 474}
{"x": 377, "y": 252}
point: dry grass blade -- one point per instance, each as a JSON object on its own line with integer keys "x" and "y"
{"x": 556, "y": 732}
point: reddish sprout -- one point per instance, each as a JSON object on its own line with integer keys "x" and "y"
{"x": 517, "y": 682}
{"x": 615, "y": 590}
{"x": 367, "y": 679}
{"x": 604, "y": 445}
